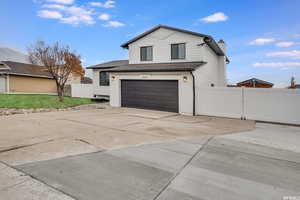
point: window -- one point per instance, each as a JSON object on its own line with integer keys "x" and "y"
{"x": 146, "y": 53}
{"x": 104, "y": 78}
{"x": 178, "y": 51}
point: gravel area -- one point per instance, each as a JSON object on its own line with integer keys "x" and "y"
{"x": 13, "y": 111}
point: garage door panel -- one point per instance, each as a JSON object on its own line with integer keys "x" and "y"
{"x": 155, "y": 96}
{"x": 152, "y": 102}
{"x": 150, "y": 94}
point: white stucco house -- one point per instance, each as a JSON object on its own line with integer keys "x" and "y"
{"x": 166, "y": 65}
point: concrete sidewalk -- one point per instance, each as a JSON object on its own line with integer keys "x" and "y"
{"x": 259, "y": 164}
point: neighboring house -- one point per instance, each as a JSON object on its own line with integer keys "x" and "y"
{"x": 166, "y": 67}
{"x": 17, "y": 75}
{"x": 74, "y": 79}
{"x": 25, "y": 78}
{"x": 255, "y": 83}
{"x": 86, "y": 80}
{"x": 296, "y": 86}
{"x": 231, "y": 85}
{"x": 7, "y": 54}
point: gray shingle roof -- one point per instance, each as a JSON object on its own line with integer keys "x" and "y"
{"x": 158, "y": 67}
{"x": 125, "y": 45}
{"x": 256, "y": 81}
{"x": 114, "y": 63}
{"x": 24, "y": 69}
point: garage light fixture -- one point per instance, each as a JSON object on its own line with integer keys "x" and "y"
{"x": 185, "y": 78}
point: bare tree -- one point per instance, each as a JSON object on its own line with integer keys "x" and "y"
{"x": 293, "y": 83}
{"x": 59, "y": 61}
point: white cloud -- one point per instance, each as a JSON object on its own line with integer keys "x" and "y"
{"x": 282, "y": 65}
{"x": 62, "y": 1}
{"x": 55, "y": 6}
{"x": 96, "y": 4}
{"x": 107, "y": 4}
{"x": 295, "y": 54}
{"x": 104, "y": 16}
{"x": 75, "y": 20}
{"x": 297, "y": 35}
{"x": 49, "y": 14}
{"x": 114, "y": 24}
{"x": 73, "y": 14}
{"x": 285, "y": 44}
{"x": 216, "y": 17}
{"x": 63, "y": 11}
{"x": 262, "y": 41}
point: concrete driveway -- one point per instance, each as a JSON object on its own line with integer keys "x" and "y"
{"x": 197, "y": 163}
{"x": 44, "y": 136}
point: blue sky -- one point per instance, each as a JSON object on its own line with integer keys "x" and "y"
{"x": 263, "y": 36}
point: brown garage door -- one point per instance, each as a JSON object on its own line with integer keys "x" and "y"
{"x": 150, "y": 94}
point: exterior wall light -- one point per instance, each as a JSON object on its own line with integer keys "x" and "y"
{"x": 185, "y": 78}
{"x": 113, "y": 78}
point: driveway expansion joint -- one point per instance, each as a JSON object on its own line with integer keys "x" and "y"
{"x": 24, "y": 146}
{"x": 183, "y": 167}
{"x": 37, "y": 179}
{"x": 258, "y": 155}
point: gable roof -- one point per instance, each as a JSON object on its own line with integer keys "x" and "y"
{"x": 209, "y": 40}
{"x": 125, "y": 45}
{"x": 110, "y": 64}
{"x": 157, "y": 67}
{"x": 23, "y": 69}
{"x": 257, "y": 81}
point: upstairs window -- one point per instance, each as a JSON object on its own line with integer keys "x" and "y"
{"x": 146, "y": 53}
{"x": 104, "y": 78}
{"x": 178, "y": 51}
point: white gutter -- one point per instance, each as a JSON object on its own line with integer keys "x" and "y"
{"x": 30, "y": 75}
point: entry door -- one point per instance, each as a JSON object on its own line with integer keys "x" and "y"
{"x": 150, "y": 94}
{"x": 2, "y": 84}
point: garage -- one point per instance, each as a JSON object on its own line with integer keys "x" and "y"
{"x": 150, "y": 94}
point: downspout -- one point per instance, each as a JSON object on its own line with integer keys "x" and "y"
{"x": 194, "y": 102}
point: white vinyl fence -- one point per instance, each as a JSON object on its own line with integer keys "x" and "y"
{"x": 273, "y": 105}
{"x": 82, "y": 90}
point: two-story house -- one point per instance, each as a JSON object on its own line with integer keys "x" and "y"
{"x": 166, "y": 67}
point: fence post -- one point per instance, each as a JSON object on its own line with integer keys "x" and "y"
{"x": 243, "y": 117}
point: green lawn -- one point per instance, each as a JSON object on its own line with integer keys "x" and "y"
{"x": 39, "y": 101}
